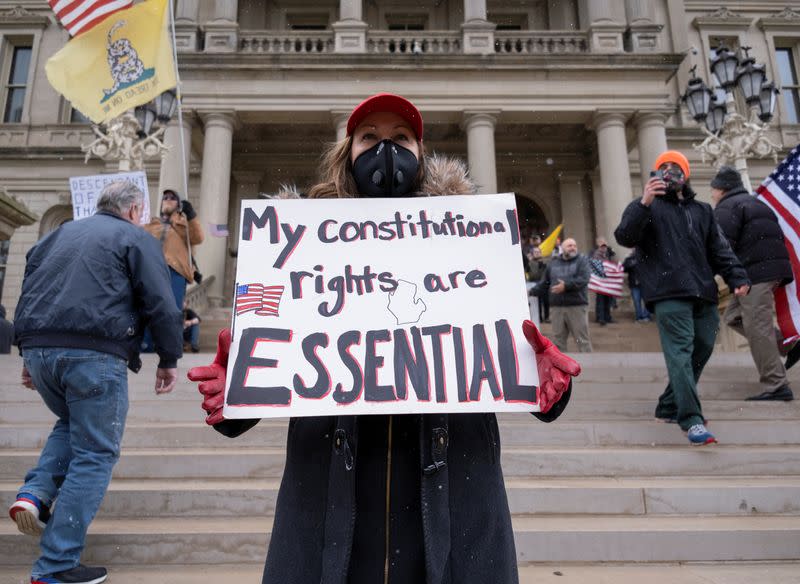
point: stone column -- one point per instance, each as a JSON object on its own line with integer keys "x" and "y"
{"x": 248, "y": 186}
{"x": 645, "y": 33}
{"x": 615, "y": 174}
{"x": 480, "y": 149}
{"x": 605, "y": 21}
{"x": 477, "y": 32}
{"x": 575, "y": 208}
{"x": 186, "y": 32}
{"x": 652, "y": 138}
{"x": 222, "y": 31}
{"x": 339, "y": 118}
{"x": 172, "y": 167}
{"x": 215, "y": 184}
{"x": 350, "y": 31}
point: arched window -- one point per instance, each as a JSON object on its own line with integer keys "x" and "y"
{"x": 54, "y": 218}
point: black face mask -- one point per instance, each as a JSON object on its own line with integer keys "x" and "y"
{"x": 385, "y": 170}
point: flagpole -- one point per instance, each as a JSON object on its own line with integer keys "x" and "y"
{"x": 184, "y": 169}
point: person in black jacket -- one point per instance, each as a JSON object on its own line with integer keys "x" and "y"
{"x": 681, "y": 247}
{"x": 400, "y": 498}
{"x": 6, "y": 332}
{"x": 89, "y": 288}
{"x": 566, "y": 283}
{"x": 756, "y": 238}
{"x": 629, "y": 266}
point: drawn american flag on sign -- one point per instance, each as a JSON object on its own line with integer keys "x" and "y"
{"x": 79, "y": 16}
{"x": 264, "y": 300}
{"x": 781, "y": 192}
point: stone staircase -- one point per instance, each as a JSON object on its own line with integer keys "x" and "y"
{"x": 605, "y": 494}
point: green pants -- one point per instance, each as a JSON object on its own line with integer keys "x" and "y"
{"x": 687, "y": 329}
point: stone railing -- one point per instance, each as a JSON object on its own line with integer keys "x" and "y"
{"x": 433, "y": 42}
{"x": 414, "y": 42}
{"x": 197, "y": 295}
{"x": 539, "y": 42}
{"x": 287, "y": 42}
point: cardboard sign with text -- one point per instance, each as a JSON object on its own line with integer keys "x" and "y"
{"x": 379, "y": 306}
{"x": 86, "y": 190}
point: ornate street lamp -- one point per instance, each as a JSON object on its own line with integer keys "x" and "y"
{"x": 730, "y": 136}
{"x": 749, "y": 77}
{"x": 767, "y": 98}
{"x": 723, "y": 66}
{"x": 697, "y": 97}
{"x": 165, "y": 105}
{"x": 716, "y": 116}
{"x": 134, "y": 136}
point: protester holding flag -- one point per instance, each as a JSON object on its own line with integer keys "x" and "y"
{"x": 403, "y": 498}
{"x": 602, "y": 255}
{"x": 781, "y": 193}
{"x": 756, "y": 238}
{"x": 681, "y": 247}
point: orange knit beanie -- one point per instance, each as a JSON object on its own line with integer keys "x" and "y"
{"x": 675, "y": 157}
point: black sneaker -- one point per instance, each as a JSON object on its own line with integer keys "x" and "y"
{"x": 30, "y": 514}
{"x": 80, "y": 574}
{"x": 792, "y": 357}
{"x": 781, "y": 394}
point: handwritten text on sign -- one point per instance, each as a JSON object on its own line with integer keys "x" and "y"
{"x": 87, "y": 189}
{"x": 355, "y": 306}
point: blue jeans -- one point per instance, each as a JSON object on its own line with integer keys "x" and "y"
{"x": 88, "y": 391}
{"x": 192, "y": 335}
{"x": 638, "y": 304}
{"x": 178, "y": 284}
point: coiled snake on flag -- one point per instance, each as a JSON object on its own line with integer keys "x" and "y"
{"x": 124, "y": 61}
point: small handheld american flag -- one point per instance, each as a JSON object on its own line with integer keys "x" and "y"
{"x": 611, "y": 280}
{"x": 264, "y": 300}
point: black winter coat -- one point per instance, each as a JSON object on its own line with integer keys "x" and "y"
{"x": 755, "y": 237}
{"x": 575, "y": 272}
{"x": 681, "y": 247}
{"x": 95, "y": 284}
{"x": 448, "y": 519}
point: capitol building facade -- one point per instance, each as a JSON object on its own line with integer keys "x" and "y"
{"x": 566, "y": 103}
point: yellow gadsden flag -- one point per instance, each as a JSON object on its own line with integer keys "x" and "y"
{"x": 549, "y": 244}
{"x": 124, "y": 61}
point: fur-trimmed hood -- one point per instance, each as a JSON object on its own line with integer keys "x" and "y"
{"x": 444, "y": 175}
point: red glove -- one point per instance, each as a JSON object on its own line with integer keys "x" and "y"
{"x": 213, "y": 379}
{"x": 556, "y": 370}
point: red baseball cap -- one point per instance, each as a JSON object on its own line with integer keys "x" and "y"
{"x": 386, "y": 102}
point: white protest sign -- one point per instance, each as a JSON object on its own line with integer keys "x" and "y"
{"x": 376, "y": 306}
{"x": 86, "y": 190}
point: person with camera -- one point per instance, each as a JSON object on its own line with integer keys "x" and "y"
{"x": 680, "y": 248}
{"x": 177, "y": 228}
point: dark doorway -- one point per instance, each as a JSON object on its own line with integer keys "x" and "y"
{"x": 532, "y": 220}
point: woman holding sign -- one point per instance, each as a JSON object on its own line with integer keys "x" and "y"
{"x": 406, "y": 498}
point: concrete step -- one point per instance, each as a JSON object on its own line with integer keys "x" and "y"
{"x": 251, "y": 463}
{"x": 555, "y": 538}
{"x": 568, "y": 496}
{"x": 519, "y": 430}
{"x": 563, "y": 573}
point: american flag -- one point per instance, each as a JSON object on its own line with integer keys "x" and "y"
{"x": 264, "y": 300}
{"x": 781, "y": 192}
{"x": 78, "y": 16}
{"x": 607, "y": 282}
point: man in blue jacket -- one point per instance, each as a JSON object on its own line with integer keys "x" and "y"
{"x": 680, "y": 248}
{"x": 90, "y": 287}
